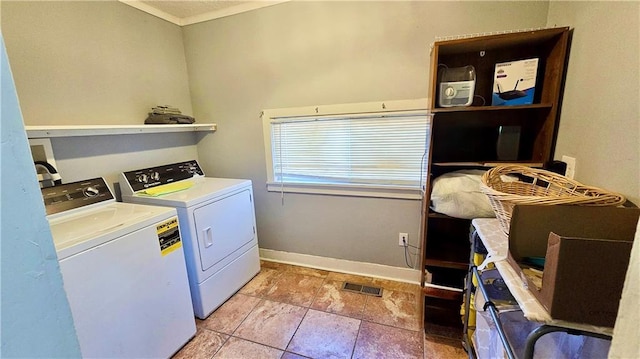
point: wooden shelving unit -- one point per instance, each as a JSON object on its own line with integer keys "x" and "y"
{"x": 466, "y": 138}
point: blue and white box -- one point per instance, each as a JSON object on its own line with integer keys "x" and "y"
{"x": 514, "y": 83}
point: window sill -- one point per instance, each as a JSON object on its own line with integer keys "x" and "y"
{"x": 393, "y": 192}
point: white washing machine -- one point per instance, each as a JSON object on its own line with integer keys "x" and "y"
{"x": 123, "y": 270}
{"x": 217, "y": 222}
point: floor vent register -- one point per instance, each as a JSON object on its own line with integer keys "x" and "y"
{"x": 362, "y": 289}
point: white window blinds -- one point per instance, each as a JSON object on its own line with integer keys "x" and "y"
{"x": 364, "y": 149}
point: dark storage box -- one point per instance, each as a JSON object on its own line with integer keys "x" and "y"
{"x": 587, "y": 252}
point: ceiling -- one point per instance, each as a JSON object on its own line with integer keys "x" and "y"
{"x": 186, "y": 12}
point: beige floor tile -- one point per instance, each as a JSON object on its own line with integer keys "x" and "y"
{"x": 296, "y": 289}
{"x": 333, "y": 299}
{"x": 236, "y": 348}
{"x": 396, "y": 286}
{"x": 261, "y": 283}
{"x": 288, "y": 355}
{"x": 441, "y": 348}
{"x": 202, "y": 346}
{"x": 325, "y": 335}
{"x": 275, "y": 327}
{"x": 380, "y": 341}
{"x": 271, "y": 323}
{"x": 229, "y": 316}
{"x": 398, "y": 309}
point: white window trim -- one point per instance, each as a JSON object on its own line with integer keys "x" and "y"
{"x": 380, "y": 107}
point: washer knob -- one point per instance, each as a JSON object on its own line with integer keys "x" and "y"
{"x": 91, "y": 192}
{"x": 155, "y": 176}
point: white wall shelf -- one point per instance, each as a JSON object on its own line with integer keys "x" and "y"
{"x": 104, "y": 130}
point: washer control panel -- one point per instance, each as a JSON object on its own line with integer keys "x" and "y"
{"x": 157, "y": 176}
{"x": 75, "y": 195}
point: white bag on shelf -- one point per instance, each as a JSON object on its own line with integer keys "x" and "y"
{"x": 457, "y": 194}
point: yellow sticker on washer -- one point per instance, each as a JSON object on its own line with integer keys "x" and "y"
{"x": 169, "y": 236}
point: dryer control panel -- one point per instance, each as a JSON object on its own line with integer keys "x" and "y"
{"x": 157, "y": 176}
{"x": 75, "y": 195}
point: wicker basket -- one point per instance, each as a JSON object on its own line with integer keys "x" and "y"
{"x": 538, "y": 187}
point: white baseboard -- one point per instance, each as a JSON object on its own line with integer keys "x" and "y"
{"x": 343, "y": 266}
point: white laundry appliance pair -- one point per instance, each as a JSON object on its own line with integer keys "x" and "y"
{"x": 217, "y": 223}
{"x": 123, "y": 270}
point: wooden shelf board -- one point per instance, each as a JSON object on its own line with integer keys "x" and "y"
{"x": 437, "y": 215}
{"x": 440, "y": 216}
{"x": 442, "y": 292}
{"x": 491, "y": 108}
{"x": 103, "y": 130}
{"x": 496, "y": 41}
{"x": 444, "y": 263}
{"x": 486, "y": 164}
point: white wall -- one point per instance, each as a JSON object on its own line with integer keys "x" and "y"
{"x": 99, "y": 63}
{"x": 600, "y": 122}
{"x": 313, "y": 53}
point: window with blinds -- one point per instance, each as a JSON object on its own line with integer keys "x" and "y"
{"x": 378, "y": 150}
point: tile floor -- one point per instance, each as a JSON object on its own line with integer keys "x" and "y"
{"x": 292, "y": 312}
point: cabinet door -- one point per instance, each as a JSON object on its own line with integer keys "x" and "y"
{"x": 223, "y": 226}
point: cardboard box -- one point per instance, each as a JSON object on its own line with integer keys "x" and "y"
{"x": 586, "y": 252}
{"x": 514, "y": 82}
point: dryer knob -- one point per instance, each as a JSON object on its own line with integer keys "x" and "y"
{"x": 155, "y": 176}
{"x": 143, "y": 178}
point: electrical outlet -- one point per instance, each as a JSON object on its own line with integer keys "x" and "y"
{"x": 571, "y": 166}
{"x": 403, "y": 239}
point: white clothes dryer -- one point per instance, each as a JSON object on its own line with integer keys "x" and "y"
{"x": 123, "y": 270}
{"x": 217, "y": 221}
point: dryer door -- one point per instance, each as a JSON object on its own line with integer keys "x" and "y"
{"x": 223, "y": 226}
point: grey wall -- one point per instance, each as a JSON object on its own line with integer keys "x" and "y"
{"x": 80, "y": 158}
{"x": 92, "y": 62}
{"x": 36, "y": 318}
{"x": 98, "y": 63}
{"x": 314, "y": 53}
{"x": 600, "y": 122}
